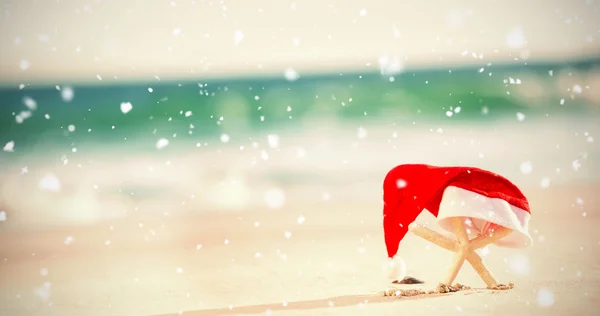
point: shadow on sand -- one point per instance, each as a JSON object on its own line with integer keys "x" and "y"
{"x": 338, "y": 301}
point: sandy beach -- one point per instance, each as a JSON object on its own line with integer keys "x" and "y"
{"x": 331, "y": 264}
{"x": 208, "y": 158}
{"x": 317, "y": 250}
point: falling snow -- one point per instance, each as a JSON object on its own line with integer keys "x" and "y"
{"x": 50, "y": 183}
{"x": 43, "y": 292}
{"x": 291, "y": 74}
{"x": 67, "y": 94}
{"x": 545, "y": 182}
{"x": 516, "y": 38}
{"x": 545, "y": 297}
{"x": 9, "y": 147}
{"x": 238, "y": 36}
{"x": 22, "y": 116}
{"x": 264, "y": 168}
{"x": 390, "y": 65}
{"x": 275, "y": 198}
{"x": 273, "y": 141}
{"x": 126, "y": 107}
{"x": 519, "y": 264}
{"x": 361, "y": 133}
{"x": 68, "y": 240}
{"x": 24, "y": 64}
{"x": 162, "y": 143}
{"x": 224, "y": 138}
{"x": 401, "y": 183}
{"x": 526, "y": 167}
{"x": 30, "y": 103}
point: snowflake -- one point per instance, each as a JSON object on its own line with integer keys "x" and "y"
{"x": 224, "y": 138}
{"x": 162, "y": 143}
{"x": 50, "y": 183}
{"x": 526, "y": 167}
{"x": 361, "y": 133}
{"x": 516, "y": 38}
{"x": 520, "y": 264}
{"x": 24, "y": 64}
{"x": 275, "y": 198}
{"x": 43, "y": 292}
{"x": 30, "y": 103}
{"x": 401, "y": 183}
{"x": 576, "y": 164}
{"x": 291, "y": 74}
{"x": 238, "y": 36}
{"x": 9, "y": 147}
{"x": 67, "y": 94}
{"x": 545, "y": 297}
{"x": 126, "y": 107}
{"x": 273, "y": 140}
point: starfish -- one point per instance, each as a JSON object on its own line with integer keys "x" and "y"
{"x": 464, "y": 249}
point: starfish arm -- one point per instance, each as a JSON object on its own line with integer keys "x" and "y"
{"x": 458, "y": 226}
{"x": 472, "y": 257}
{"x": 434, "y": 237}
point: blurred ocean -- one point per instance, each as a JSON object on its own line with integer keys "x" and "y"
{"x": 40, "y": 116}
{"x": 84, "y": 152}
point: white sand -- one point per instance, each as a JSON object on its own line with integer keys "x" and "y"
{"x": 337, "y": 254}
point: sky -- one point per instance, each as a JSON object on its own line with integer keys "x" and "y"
{"x": 77, "y": 40}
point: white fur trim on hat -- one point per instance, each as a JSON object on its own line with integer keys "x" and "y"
{"x": 481, "y": 210}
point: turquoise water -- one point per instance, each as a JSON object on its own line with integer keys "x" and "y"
{"x": 251, "y": 105}
{"x": 512, "y": 118}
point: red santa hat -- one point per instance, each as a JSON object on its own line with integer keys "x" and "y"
{"x": 448, "y": 192}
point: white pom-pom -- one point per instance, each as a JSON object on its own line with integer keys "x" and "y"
{"x": 396, "y": 268}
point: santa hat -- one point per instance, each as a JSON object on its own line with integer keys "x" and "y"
{"x": 449, "y": 192}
